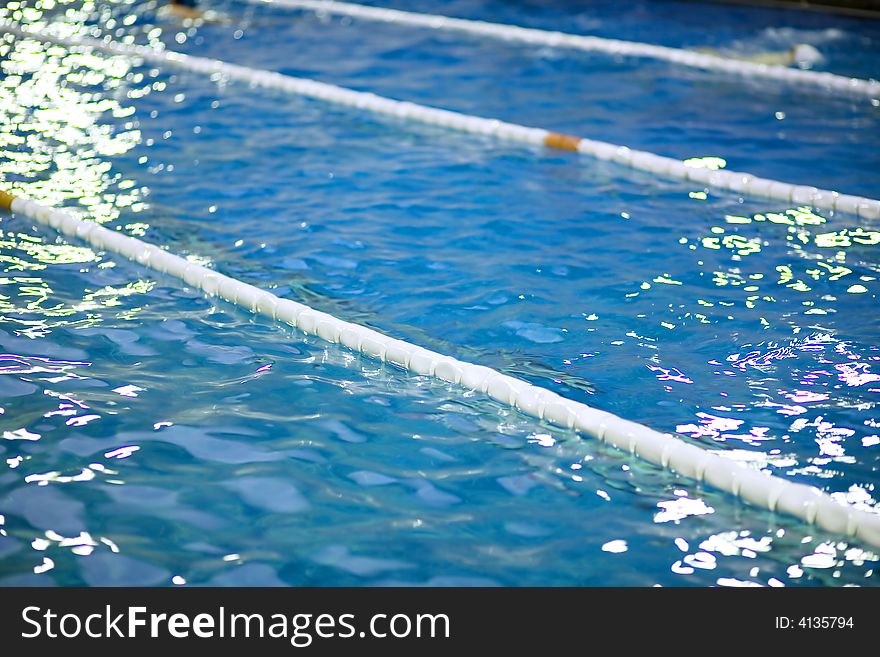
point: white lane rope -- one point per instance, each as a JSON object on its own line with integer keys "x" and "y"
{"x": 762, "y": 490}
{"x": 740, "y": 183}
{"x": 531, "y": 36}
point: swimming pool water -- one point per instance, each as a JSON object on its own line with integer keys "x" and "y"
{"x": 151, "y": 433}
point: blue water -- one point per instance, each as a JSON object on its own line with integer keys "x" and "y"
{"x": 157, "y": 437}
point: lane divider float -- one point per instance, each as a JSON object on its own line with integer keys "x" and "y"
{"x": 758, "y": 488}
{"x": 740, "y": 183}
{"x": 553, "y": 39}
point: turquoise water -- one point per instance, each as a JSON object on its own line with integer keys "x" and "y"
{"x": 153, "y": 436}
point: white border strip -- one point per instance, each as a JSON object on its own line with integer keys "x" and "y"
{"x": 740, "y": 183}
{"x": 763, "y": 490}
{"x": 827, "y": 81}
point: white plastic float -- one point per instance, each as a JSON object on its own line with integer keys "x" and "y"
{"x": 760, "y": 489}
{"x": 740, "y": 183}
{"x": 614, "y": 47}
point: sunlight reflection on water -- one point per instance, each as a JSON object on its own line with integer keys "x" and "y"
{"x": 153, "y": 436}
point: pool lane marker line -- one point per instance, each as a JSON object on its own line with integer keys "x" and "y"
{"x": 531, "y": 36}
{"x": 760, "y": 489}
{"x": 741, "y": 183}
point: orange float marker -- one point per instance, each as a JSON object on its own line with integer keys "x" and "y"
{"x": 561, "y": 141}
{"x": 6, "y": 200}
